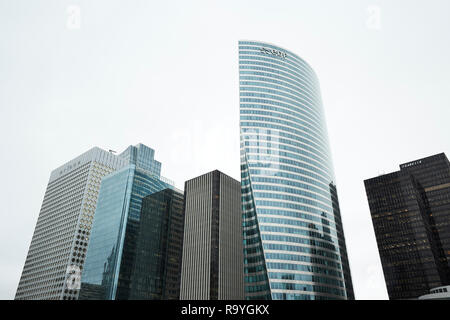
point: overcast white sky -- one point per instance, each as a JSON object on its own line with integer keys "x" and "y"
{"x": 165, "y": 73}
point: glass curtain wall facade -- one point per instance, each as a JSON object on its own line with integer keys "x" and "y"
{"x": 112, "y": 250}
{"x": 294, "y": 245}
{"x": 157, "y": 270}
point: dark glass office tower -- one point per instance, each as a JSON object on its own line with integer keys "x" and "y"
{"x": 410, "y": 212}
{"x": 156, "y": 274}
{"x": 212, "y": 267}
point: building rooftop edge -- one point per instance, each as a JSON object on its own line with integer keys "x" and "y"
{"x": 407, "y": 165}
{"x": 212, "y": 171}
{"x": 283, "y": 48}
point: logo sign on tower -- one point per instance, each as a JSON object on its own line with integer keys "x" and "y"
{"x": 274, "y": 52}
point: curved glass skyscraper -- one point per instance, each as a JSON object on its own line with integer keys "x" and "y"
{"x": 294, "y": 245}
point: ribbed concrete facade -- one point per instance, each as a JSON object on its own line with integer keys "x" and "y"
{"x": 58, "y": 247}
{"x": 212, "y": 267}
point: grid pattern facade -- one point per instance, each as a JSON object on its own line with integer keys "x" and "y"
{"x": 410, "y": 212}
{"x": 212, "y": 263}
{"x": 294, "y": 246}
{"x": 62, "y": 232}
{"x": 157, "y": 270}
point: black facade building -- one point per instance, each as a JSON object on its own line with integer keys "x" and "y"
{"x": 157, "y": 269}
{"x": 410, "y": 212}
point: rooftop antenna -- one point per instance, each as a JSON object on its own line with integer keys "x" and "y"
{"x": 112, "y": 151}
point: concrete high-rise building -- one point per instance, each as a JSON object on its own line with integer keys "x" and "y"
{"x": 111, "y": 254}
{"x": 58, "y": 247}
{"x": 157, "y": 269}
{"x": 410, "y": 212}
{"x": 212, "y": 263}
{"x": 294, "y": 245}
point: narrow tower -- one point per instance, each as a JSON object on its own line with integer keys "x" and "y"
{"x": 212, "y": 264}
